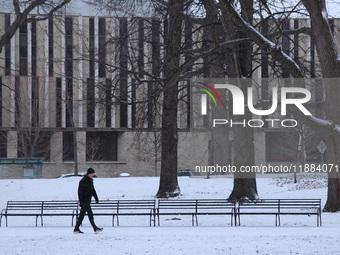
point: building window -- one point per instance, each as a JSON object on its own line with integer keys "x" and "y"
{"x": 35, "y": 102}
{"x": 285, "y": 46}
{"x": 69, "y": 47}
{"x": 69, "y": 102}
{"x": 188, "y": 40}
{"x": 58, "y": 102}
{"x": 34, "y": 49}
{"x": 3, "y": 142}
{"x": 34, "y": 144}
{"x": 102, "y": 47}
{"x": 108, "y": 102}
{"x": 7, "y": 47}
{"x": 296, "y": 42}
{"x": 90, "y": 102}
{"x": 50, "y": 46}
{"x": 101, "y": 146}
{"x": 123, "y": 27}
{"x": 17, "y": 98}
{"x": 91, "y": 47}
{"x": 68, "y": 147}
{"x": 312, "y": 58}
{"x": 23, "y": 42}
{"x": 141, "y": 40}
{"x": 133, "y": 106}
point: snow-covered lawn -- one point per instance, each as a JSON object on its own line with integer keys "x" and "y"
{"x": 257, "y": 235}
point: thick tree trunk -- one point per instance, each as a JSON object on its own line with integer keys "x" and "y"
{"x": 241, "y": 66}
{"x": 218, "y": 148}
{"x": 332, "y": 106}
{"x": 328, "y": 55}
{"x": 168, "y": 186}
{"x": 244, "y": 183}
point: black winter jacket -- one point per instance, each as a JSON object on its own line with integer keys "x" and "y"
{"x": 86, "y": 190}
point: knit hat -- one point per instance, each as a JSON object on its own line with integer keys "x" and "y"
{"x": 90, "y": 171}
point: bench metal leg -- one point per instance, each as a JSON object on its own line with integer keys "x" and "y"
{"x": 41, "y": 220}
{"x": 5, "y": 219}
{"x": 196, "y": 218}
{"x": 152, "y": 218}
{"x": 275, "y": 220}
{"x": 319, "y": 223}
{"x": 279, "y": 219}
{"x": 237, "y": 220}
{"x": 193, "y": 217}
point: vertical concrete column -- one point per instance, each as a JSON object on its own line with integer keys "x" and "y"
{"x": 81, "y": 152}
{"x": 12, "y": 144}
{"x": 57, "y": 148}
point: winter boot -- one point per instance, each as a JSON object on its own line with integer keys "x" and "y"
{"x": 97, "y": 230}
{"x": 77, "y": 231}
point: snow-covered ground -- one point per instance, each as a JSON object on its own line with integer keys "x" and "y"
{"x": 214, "y": 235}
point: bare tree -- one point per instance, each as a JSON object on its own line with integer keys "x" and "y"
{"x": 328, "y": 57}
{"x": 23, "y": 8}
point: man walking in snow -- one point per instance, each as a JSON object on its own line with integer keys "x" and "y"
{"x": 85, "y": 192}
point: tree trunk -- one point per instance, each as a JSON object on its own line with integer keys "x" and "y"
{"x": 328, "y": 55}
{"x": 168, "y": 186}
{"x": 244, "y": 183}
{"x": 218, "y": 149}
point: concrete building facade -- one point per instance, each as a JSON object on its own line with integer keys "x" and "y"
{"x": 74, "y": 77}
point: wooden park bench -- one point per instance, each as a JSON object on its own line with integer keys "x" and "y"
{"x": 39, "y": 209}
{"x": 114, "y": 208}
{"x": 195, "y": 207}
{"x": 117, "y": 208}
{"x": 154, "y": 209}
{"x": 279, "y": 207}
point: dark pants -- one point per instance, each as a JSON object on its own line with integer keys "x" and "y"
{"x": 86, "y": 208}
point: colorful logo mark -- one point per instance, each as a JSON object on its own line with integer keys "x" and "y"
{"x": 204, "y": 97}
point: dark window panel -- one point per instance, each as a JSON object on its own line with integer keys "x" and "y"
{"x": 50, "y": 47}
{"x": 68, "y": 147}
{"x": 124, "y": 52}
{"x": 35, "y": 102}
{"x": 133, "y": 113}
{"x": 285, "y": 46}
{"x": 59, "y": 103}
{"x": 90, "y": 103}
{"x": 3, "y": 142}
{"x": 23, "y": 42}
{"x": 101, "y": 146}
{"x": 102, "y": 47}
{"x": 17, "y": 101}
{"x": 69, "y": 47}
{"x": 141, "y": 41}
{"x": 91, "y": 49}
{"x": 108, "y": 103}
{"x": 69, "y": 102}
{"x": 7, "y": 47}
{"x": 34, "y": 49}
